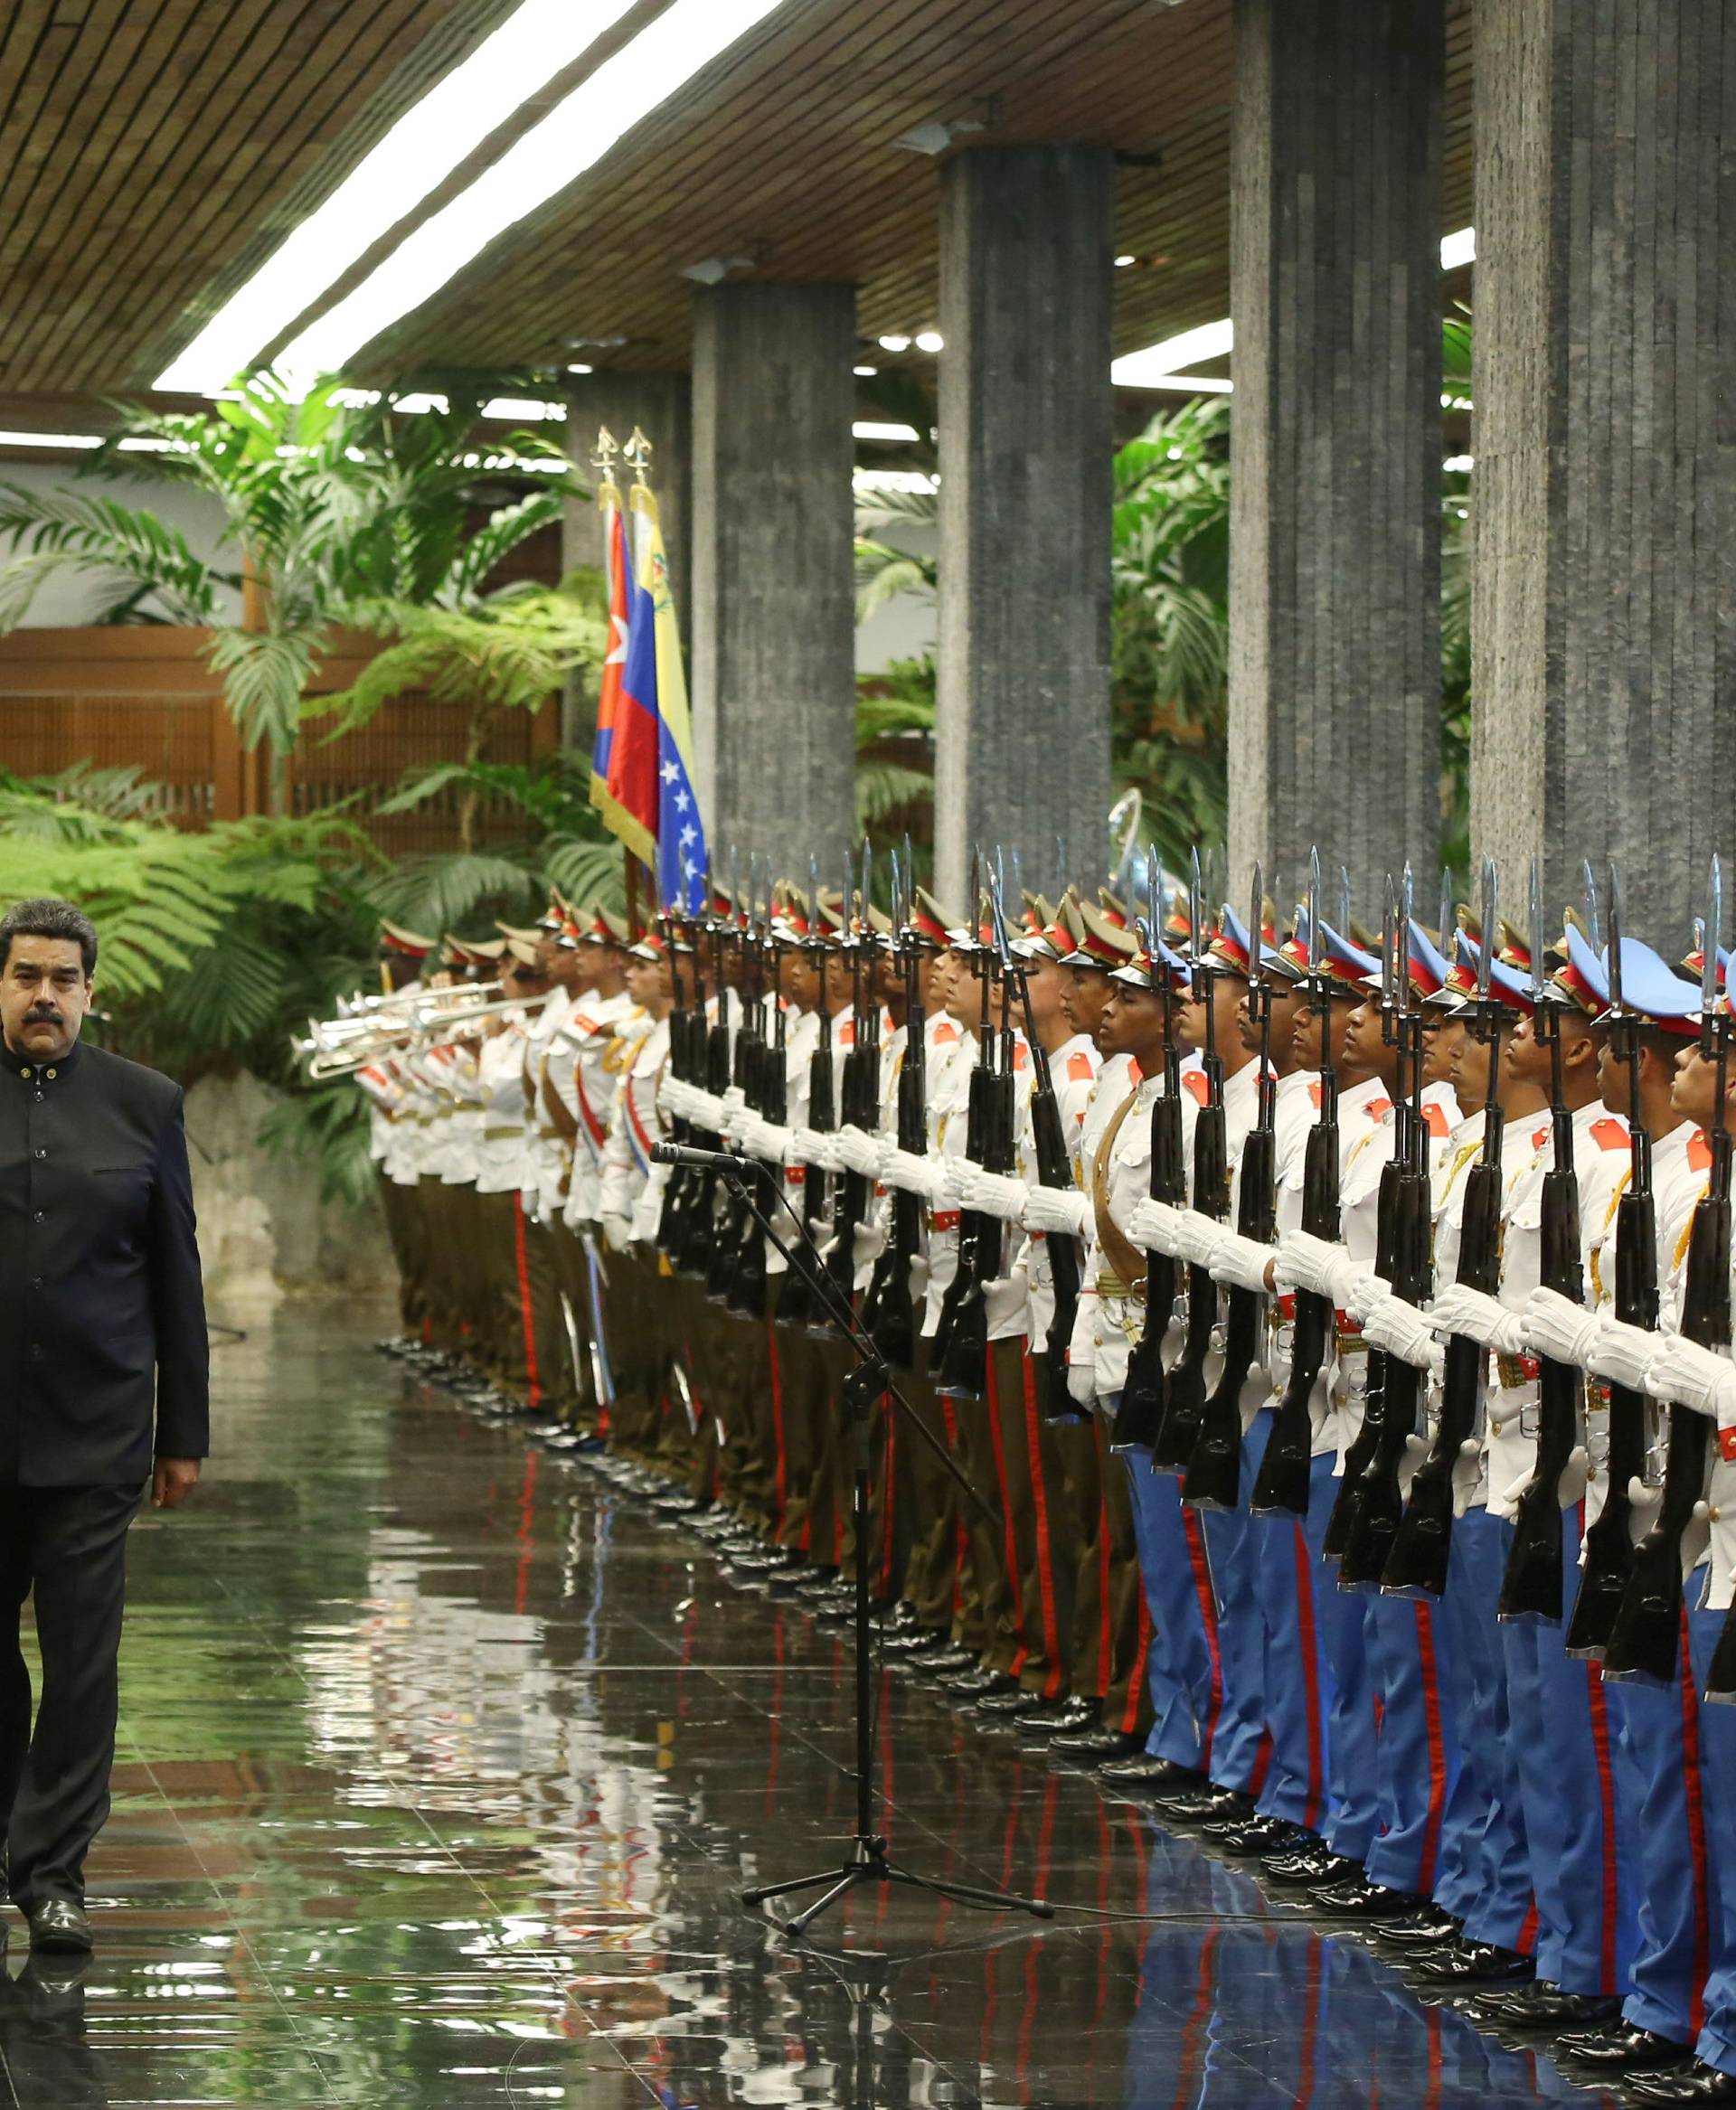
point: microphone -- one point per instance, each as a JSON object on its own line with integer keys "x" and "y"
{"x": 711, "y": 1161}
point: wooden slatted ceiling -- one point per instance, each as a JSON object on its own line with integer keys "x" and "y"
{"x": 152, "y": 152}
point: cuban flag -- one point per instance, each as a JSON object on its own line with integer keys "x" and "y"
{"x": 651, "y": 757}
{"x": 618, "y": 571}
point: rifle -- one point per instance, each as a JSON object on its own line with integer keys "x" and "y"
{"x": 964, "y": 1369}
{"x": 887, "y": 1316}
{"x": 976, "y": 1146}
{"x": 1283, "y": 1484}
{"x": 1360, "y": 1454}
{"x": 1213, "y": 1479}
{"x": 1184, "y": 1393}
{"x": 1417, "y": 1564}
{"x": 797, "y": 1299}
{"x": 676, "y": 1218}
{"x": 1643, "y": 1642}
{"x": 1609, "y": 1541}
{"x": 861, "y": 1096}
{"x": 1531, "y": 1587}
{"x": 735, "y": 1222}
{"x": 1140, "y": 1414}
{"x": 1380, "y": 1503}
{"x": 765, "y": 1087}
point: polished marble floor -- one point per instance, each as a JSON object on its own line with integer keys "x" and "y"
{"x": 442, "y": 1764}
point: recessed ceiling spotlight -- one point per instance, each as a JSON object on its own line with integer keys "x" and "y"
{"x": 867, "y": 373}
{"x": 1121, "y": 263}
{"x": 894, "y": 343}
{"x": 930, "y": 340}
{"x": 713, "y": 271}
{"x": 581, "y": 369}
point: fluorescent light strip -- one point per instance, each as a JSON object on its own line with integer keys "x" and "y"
{"x": 539, "y": 41}
{"x": 873, "y": 431}
{"x": 574, "y": 136}
{"x": 1159, "y": 366}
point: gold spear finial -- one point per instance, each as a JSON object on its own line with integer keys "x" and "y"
{"x": 608, "y": 447}
{"x": 636, "y": 454}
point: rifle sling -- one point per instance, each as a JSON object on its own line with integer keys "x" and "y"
{"x": 1126, "y": 1259}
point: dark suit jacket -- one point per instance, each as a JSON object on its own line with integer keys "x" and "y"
{"x": 102, "y": 1311}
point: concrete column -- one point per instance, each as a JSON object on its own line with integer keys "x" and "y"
{"x": 661, "y": 406}
{"x": 1335, "y": 519}
{"x": 1604, "y": 602}
{"x": 774, "y": 615}
{"x": 1022, "y": 744}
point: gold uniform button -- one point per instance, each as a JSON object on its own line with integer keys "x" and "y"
{"x": 52, "y": 1074}
{"x": 1495, "y": 1428}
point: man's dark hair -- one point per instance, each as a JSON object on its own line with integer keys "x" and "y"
{"x": 48, "y": 918}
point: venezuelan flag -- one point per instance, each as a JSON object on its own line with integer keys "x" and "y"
{"x": 651, "y": 756}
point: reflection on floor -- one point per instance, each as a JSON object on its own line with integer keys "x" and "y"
{"x": 442, "y": 1766}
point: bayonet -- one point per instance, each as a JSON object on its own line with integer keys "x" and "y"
{"x": 1491, "y": 903}
{"x": 1536, "y": 927}
{"x": 1592, "y": 929}
{"x": 1615, "y": 940}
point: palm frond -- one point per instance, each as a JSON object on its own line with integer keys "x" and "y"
{"x": 265, "y": 673}
{"x": 57, "y": 530}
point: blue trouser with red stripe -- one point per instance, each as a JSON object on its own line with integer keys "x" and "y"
{"x": 1660, "y": 1804}
{"x": 1416, "y": 1750}
{"x": 1200, "y": 1721}
{"x": 1564, "y": 1722}
{"x": 1241, "y": 1750}
{"x": 1716, "y": 2043}
{"x": 1351, "y": 1771}
{"x": 1298, "y": 1670}
{"x": 1486, "y": 1867}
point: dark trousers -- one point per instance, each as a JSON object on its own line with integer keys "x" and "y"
{"x": 67, "y": 1546}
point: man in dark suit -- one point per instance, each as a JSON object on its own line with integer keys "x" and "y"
{"x": 103, "y": 1388}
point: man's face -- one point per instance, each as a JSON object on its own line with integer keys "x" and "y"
{"x": 802, "y": 979}
{"x": 1087, "y": 996}
{"x": 1690, "y": 1095}
{"x": 1443, "y": 1037}
{"x": 1227, "y": 993}
{"x": 1287, "y": 1002}
{"x": 561, "y": 965}
{"x": 647, "y": 982}
{"x": 1133, "y": 1024}
{"x": 1048, "y": 982}
{"x": 44, "y": 994}
{"x": 840, "y": 980}
{"x": 964, "y": 997}
{"x": 1363, "y": 1042}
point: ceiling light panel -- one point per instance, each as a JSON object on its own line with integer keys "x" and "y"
{"x": 575, "y": 135}
{"x": 540, "y": 39}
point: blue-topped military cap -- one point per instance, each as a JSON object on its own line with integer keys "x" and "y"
{"x": 1345, "y": 961}
{"x": 1508, "y": 986}
{"x": 1651, "y": 989}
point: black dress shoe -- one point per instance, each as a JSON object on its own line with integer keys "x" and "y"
{"x": 1425, "y": 1929}
{"x": 943, "y": 1663}
{"x": 1360, "y": 1899}
{"x": 1152, "y": 1776}
{"x": 1258, "y": 1835}
{"x": 1065, "y": 1718}
{"x": 977, "y": 1684}
{"x": 1207, "y": 1805}
{"x": 1315, "y": 1864}
{"x": 1094, "y": 1746}
{"x": 1467, "y": 1966}
{"x": 59, "y": 1928}
{"x": 1541, "y": 2006}
{"x": 1003, "y": 1702}
{"x": 1622, "y": 2048}
{"x": 1698, "y": 2083}
{"x": 918, "y": 1641}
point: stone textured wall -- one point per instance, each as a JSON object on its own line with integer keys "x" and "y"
{"x": 773, "y": 594}
{"x": 263, "y": 1231}
{"x": 1604, "y": 624}
{"x": 1023, "y": 733}
{"x": 1335, "y": 671}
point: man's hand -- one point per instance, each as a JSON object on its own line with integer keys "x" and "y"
{"x": 172, "y": 1481}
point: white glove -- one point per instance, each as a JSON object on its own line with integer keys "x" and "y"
{"x": 950, "y": 1183}
{"x": 1576, "y": 1478}
{"x": 914, "y": 1174}
{"x": 1555, "y": 1326}
{"x": 1158, "y": 1227}
{"x": 991, "y": 1194}
{"x": 1459, "y": 1309}
{"x": 1320, "y": 1265}
{"x": 1621, "y": 1354}
{"x": 735, "y": 1122}
{"x": 733, "y": 1096}
{"x": 1081, "y": 1383}
{"x": 807, "y": 1144}
{"x": 858, "y": 1151}
{"x": 618, "y": 1232}
{"x": 675, "y": 1098}
{"x": 1240, "y": 1261}
{"x": 1359, "y": 1290}
{"x": 1057, "y": 1208}
{"x": 707, "y": 1110}
{"x": 1402, "y": 1329}
{"x": 765, "y": 1139}
{"x": 1198, "y": 1237}
{"x": 1685, "y": 1374}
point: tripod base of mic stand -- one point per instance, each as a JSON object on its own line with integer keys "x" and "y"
{"x": 871, "y": 1864}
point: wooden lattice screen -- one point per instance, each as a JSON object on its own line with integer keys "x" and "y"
{"x": 145, "y": 698}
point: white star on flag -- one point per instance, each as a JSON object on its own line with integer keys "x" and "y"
{"x": 682, "y": 802}
{"x": 618, "y": 652}
{"x": 671, "y": 773}
{"x": 689, "y": 833}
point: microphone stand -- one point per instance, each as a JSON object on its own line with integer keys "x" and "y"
{"x": 872, "y": 1378}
